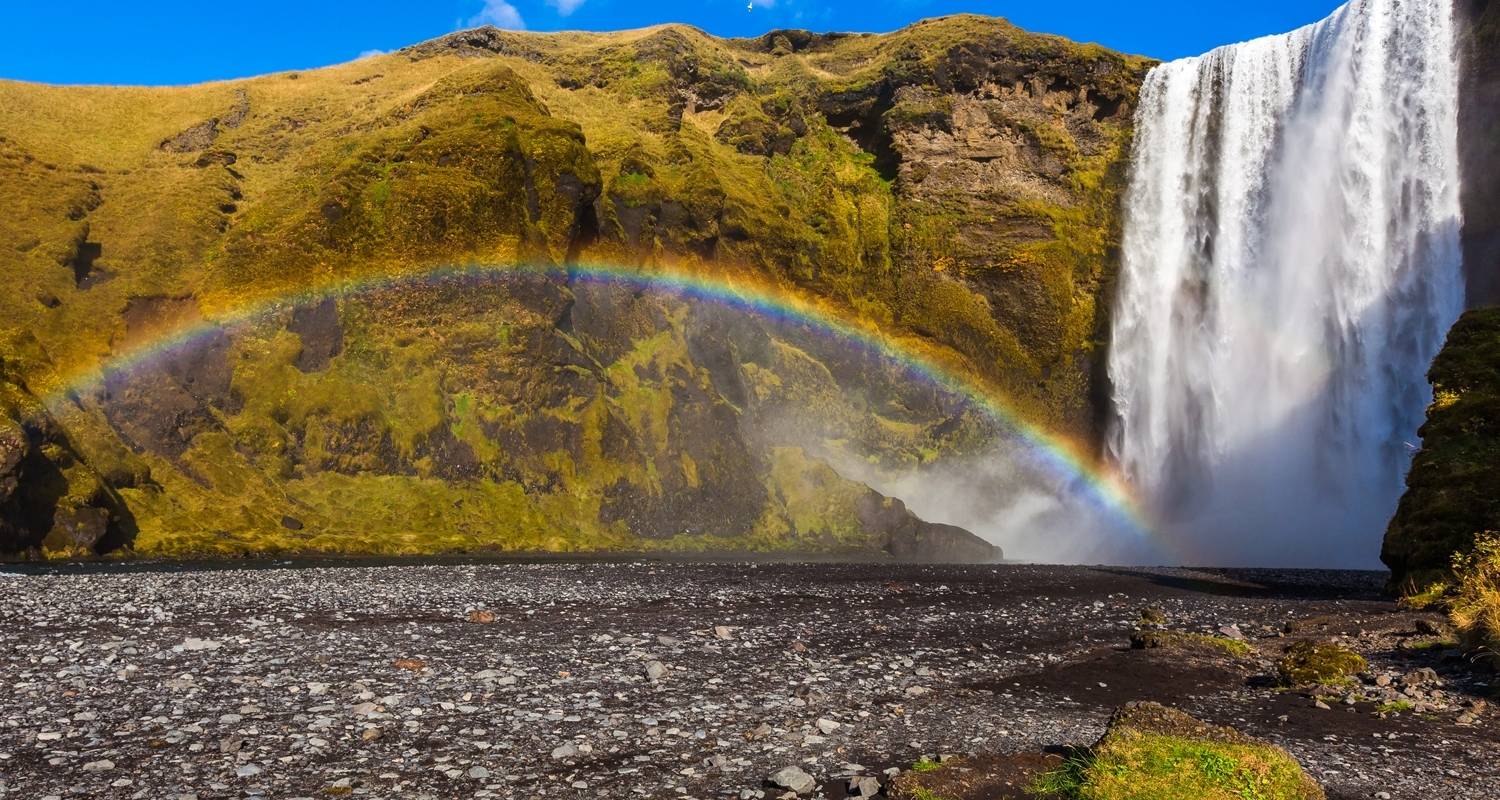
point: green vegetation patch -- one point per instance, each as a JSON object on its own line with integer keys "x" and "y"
{"x": 1155, "y": 753}
{"x": 1152, "y": 767}
{"x": 1453, "y": 488}
{"x": 925, "y": 764}
{"x": 1190, "y": 642}
{"x": 1310, "y": 663}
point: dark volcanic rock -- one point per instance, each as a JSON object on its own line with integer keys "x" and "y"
{"x": 51, "y": 500}
{"x": 1479, "y": 147}
{"x": 196, "y": 138}
{"x": 321, "y": 332}
{"x": 76, "y": 529}
{"x": 392, "y": 664}
{"x": 13, "y": 449}
{"x": 160, "y": 408}
{"x": 909, "y": 538}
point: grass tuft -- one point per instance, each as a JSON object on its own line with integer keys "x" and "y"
{"x": 1137, "y": 766}
{"x": 925, "y": 764}
{"x": 1475, "y": 606}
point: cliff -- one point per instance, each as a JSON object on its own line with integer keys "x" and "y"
{"x": 1453, "y": 488}
{"x": 952, "y": 184}
{"x": 1479, "y": 148}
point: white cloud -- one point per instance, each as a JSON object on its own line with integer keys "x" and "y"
{"x": 370, "y": 53}
{"x": 500, "y": 14}
{"x": 565, "y": 7}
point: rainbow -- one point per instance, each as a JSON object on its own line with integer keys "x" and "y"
{"x": 1056, "y": 456}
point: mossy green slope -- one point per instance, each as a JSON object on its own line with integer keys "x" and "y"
{"x": 955, "y": 182}
{"x": 1453, "y": 488}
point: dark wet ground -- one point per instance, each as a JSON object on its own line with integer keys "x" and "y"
{"x": 609, "y": 679}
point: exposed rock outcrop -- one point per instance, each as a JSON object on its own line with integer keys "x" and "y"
{"x": 1479, "y": 147}
{"x": 51, "y": 502}
{"x": 909, "y": 538}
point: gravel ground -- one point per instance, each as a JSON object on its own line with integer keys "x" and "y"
{"x": 657, "y": 679}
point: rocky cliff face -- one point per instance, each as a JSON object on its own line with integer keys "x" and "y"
{"x": 1479, "y": 148}
{"x": 49, "y": 497}
{"x": 953, "y": 182}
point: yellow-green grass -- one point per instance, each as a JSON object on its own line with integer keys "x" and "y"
{"x": 1131, "y": 765}
{"x": 1476, "y": 602}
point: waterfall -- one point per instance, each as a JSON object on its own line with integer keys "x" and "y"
{"x": 1290, "y": 266}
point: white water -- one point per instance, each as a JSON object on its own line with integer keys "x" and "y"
{"x": 1290, "y": 266}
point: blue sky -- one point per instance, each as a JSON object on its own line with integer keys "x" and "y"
{"x": 175, "y": 41}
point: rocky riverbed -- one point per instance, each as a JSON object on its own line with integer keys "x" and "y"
{"x": 670, "y": 680}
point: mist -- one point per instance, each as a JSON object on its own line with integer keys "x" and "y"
{"x": 1290, "y": 265}
{"x": 1001, "y": 496}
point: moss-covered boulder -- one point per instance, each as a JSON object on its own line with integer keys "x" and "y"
{"x": 1151, "y": 752}
{"x": 1453, "y": 488}
{"x": 1312, "y": 663}
{"x": 1189, "y": 642}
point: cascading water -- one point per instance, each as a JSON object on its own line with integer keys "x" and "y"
{"x": 1291, "y": 264}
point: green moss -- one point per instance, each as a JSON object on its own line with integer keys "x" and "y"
{"x": 367, "y": 515}
{"x": 819, "y": 502}
{"x": 1395, "y": 707}
{"x": 922, "y": 110}
{"x": 633, "y": 188}
{"x": 1453, "y": 487}
{"x": 337, "y": 176}
{"x": 1146, "y": 766}
{"x": 1182, "y": 640}
{"x": 1309, "y": 663}
{"x": 925, "y": 764}
{"x": 1436, "y": 643}
{"x": 1153, "y": 615}
{"x": 646, "y": 403}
